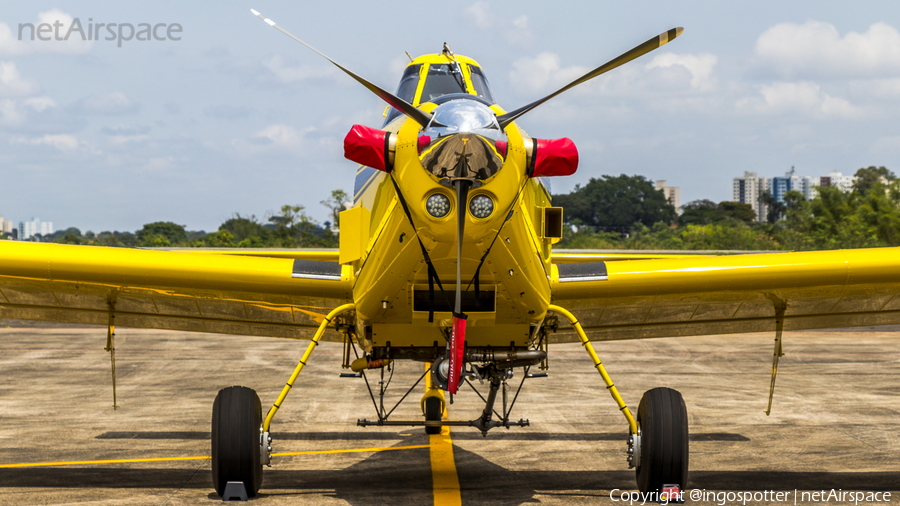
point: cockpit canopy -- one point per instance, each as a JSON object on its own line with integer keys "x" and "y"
{"x": 432, "y": 76}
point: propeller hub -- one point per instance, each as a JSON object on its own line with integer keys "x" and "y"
{"x": 464, "y": 116}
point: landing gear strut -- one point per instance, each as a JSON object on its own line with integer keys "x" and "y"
{"x": 658, "y": 439}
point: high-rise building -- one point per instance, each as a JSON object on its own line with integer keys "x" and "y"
{"x": 748, "y": 189}
{"x": 6, "y": 226}
{"x": 834, "y": 178}
{"x": 790, "y": 182}
{"x": 672, "y": 193}
{"x": 27, "y": 229}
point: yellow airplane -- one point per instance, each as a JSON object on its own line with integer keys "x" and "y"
{"x": 446, "y": 259}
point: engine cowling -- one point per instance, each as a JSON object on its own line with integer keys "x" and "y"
{"x": 552, "y": 157}
{"x": 370, "y": 147}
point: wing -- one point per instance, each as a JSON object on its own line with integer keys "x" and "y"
{"x": 281, "y": 296}
{"x": 685, "y": 296}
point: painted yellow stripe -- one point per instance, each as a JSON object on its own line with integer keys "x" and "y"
{"x": 165, "y": 459}
{"x": 443, "y": 470}
{"x": 89, "y": 462}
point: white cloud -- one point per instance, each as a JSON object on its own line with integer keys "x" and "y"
{"x": 40, "y": 104}
{"x": 31, "y": 43}
{"x": 516, "y": 30}
{"x": 12, "y": 84}
{"x": 700, "y": 67}
{"x": 287, "y": 74}
{"x": 62, "y": 142}
{"x": 284, "y": 138}
{"x": 887, "y": 88}
{"x": 108, "y": 103}
{"x": 816, "y": 49}
{"x": 542, "y": 73}
{"x": 480, "y": 13}
{"x": 804, "y": 98}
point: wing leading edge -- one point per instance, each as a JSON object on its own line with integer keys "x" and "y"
{"x": 672, "y": 297}
{"x": 230, "y": 294}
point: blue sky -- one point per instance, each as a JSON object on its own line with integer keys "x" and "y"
{"x": 236, "y": 117}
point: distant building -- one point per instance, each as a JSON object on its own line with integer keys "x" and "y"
{"x": 27, "y": 229}
{"x": 790, "y": 182}
{"x": 6, "y": 226}
{"x": 672, "y": 193}
{"x": 844, "y": 183}
{"x": 748, "y": 189}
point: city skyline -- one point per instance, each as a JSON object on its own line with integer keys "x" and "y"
{"x": 234, "y": 118}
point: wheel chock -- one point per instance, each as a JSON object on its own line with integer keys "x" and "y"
{"x": 235, "y": 491}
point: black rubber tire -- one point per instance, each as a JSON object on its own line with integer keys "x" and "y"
{"x": 236, "y": 419}
{"x": 662, "y": 418}
{"x": 433, "y": 412}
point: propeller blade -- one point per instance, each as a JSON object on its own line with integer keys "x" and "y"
{"x": 417, "y": 115}
{"x": 646, "y": 47}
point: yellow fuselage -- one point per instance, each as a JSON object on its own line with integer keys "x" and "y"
{"x": 390, "y": 273}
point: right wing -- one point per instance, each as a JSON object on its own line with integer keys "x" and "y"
{"x": 206, "y": 291}
{"x": 675, "y": 296}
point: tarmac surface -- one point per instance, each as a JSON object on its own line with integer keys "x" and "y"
{"x": 834, "y": 424}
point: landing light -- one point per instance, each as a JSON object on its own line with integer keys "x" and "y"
{"x": 481, "y": 206}
{"x": 437, "y": 205}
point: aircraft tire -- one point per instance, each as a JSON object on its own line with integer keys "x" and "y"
{"x": 662, "y": 418}
{"x": 236, "y": 419}
{"x": 433, "y": 413}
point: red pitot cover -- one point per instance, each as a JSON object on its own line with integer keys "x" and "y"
{"x": 366, "y": 146}
{"x": 457, "y": 348}
{"x": 555, "y": 157}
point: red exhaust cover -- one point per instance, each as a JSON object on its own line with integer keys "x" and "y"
{"x": 367, "y": 146}
{"x": 554, "y": 157}
{"x": 457, "y": 345}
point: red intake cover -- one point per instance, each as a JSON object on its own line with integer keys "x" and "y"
{"x": 555, "y": 157}
{"x": 457, "y": 345}
{"x": 367, "y": 146}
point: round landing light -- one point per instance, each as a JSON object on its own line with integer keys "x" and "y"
{"x": 437, "y": 205}
{"x": 481, "y": 206}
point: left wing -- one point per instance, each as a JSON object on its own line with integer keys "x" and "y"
{"x": 686, "y": 296}
{"x": 285, "y": 296}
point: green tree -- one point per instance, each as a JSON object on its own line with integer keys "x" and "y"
{"x": 153, "y": 241}
{"x": 336, "y": 203}
{"x": 241, "y": 228}
{"x": 738, "y": 211}
{"x": 617, "y": 202}
{"x": 699, "y": 212}
{"x": 220, "y": 239}
{"x": 173, "y": 233}
{"x": 775, "y": 210}
{"x": 867, "y": 177}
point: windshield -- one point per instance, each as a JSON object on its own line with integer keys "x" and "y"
{"x": 479, "y": 82}
{"x": 442, "y": 79}
{"x": 407, "y": 89}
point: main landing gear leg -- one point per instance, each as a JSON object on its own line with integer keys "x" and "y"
{"x": 432, "y": 404}
{"x": 658, "y": 439}
{"x": 240, "y": 436}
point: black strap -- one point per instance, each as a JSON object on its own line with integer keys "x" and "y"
{"x": 432, "y": 273}
{"x": 509, "y": 214}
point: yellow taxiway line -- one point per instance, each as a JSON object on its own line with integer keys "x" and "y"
{"x": 445, "y": 481}
{"x": 165, "y": 459}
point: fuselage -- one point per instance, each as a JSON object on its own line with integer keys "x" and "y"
{"x": 391, "y": 282}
